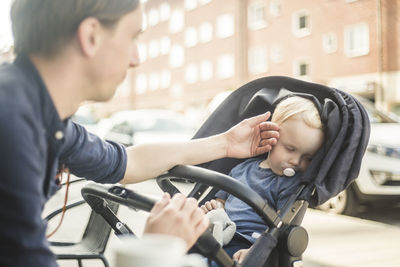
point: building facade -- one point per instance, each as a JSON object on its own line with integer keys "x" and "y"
{"x": 194, "y": 49}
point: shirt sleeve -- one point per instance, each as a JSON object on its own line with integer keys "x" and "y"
{"x": 22, "y": 230}
{"x": 88, "y": 156}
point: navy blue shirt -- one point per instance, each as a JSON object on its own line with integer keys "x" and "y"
{"x": 273, "y": 188}
{"x": 33, "y": 142}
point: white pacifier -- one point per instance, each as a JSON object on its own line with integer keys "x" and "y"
{"x": 289, "y": 172}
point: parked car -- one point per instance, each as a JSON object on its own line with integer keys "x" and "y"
{"x": 132, "y": 127}
{"x": 379, "y": 178}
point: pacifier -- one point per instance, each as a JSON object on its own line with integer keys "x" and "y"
{"x": 289, "y": 172}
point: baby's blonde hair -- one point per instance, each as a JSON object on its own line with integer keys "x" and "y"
{"x": 300, "y": 107}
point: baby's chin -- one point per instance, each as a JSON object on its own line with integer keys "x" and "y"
{"x": 277, "y": 171}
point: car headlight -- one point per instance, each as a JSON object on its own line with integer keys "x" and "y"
{"x": 393, "y": 152}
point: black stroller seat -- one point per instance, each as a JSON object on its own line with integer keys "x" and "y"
{"x": 332, "y": 169}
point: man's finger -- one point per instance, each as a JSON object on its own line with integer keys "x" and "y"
{"x": 202, "y": 225}
{"x": 178, "y": 200}
{"x": 271, "y": 142}
{"x": 161, "y": 203}
{"x": 189, "y": 207}
{"x": 197, "y": 216}
{"x": 253, "y": 121}
{"x": 268, "y": 126}
{"x": 269, "y": 134}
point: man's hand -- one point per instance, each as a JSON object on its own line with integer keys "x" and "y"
{"x": 179, "y": 216}
{"x": 252, "y": 137}
{"x": 240, "y": 255}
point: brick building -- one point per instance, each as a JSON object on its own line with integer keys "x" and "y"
{"x": 193, "y": 49}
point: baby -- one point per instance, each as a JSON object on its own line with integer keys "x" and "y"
{"x": 274, "y": 177}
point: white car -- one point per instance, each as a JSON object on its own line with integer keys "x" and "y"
{"x": 379, "y": 178}
{"x": 132, "y": 127}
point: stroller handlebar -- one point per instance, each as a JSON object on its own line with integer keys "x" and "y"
{"x": 231, "y": 186}
{"x": 96, "y": 194}
{"x": 93, "y": 192}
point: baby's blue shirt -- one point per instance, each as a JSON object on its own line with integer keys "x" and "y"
{"x": 273, "y": 188}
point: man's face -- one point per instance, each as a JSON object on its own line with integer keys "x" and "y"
{"x": 296, "y": 146}
{"x": 118, "y": 53}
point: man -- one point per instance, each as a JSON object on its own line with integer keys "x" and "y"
{"x": 69, "y": 52}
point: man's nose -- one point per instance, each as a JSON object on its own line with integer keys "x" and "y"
{"x": 134, "y": 60}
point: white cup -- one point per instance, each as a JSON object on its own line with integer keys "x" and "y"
{"x": 154, "y": 250}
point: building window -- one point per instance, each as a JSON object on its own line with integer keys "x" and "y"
{"x": 276, "y": 53}
{"x": 256, "y": 16}
{"x": 206, "y": 70}
{"x": 176, "y": 90}
{"x": 190, "y": 37}
{"x": 329, "y": 42}
{"x": 225, "y": 26}
{"x": 190, "y": 4}
{"x": 154, "y": 81}
{"x": 154, "y": 50}
{"x": 226, "y": 66}
{"x": 275, "y": 8}
{"x": 301, "y": 69}
{"x": 177, "y": 56}
{"x": 141, "y": 84}
{"x": 204, "y": 2}
{"x": 165, "y": 12}
{"x": 258, "y": 60}
{"x": 302, "y": 23}
{"x": 205, "y": 32}
{"x": 356, "y": 40}
{"x": 165, "y": 45}
{"x": 177, "y": 21}
{"x": 165, "y": 78}
{"x": 142, "y": 52}
{"x": 144, "y": 21}
{"x": 153, "y": 17}
{"x": 191, "y": 73}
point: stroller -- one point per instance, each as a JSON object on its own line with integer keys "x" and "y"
{"x": 331, "y": 170}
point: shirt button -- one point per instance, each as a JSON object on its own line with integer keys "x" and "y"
{"x": 59, "y": 135}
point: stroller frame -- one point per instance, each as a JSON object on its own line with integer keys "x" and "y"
{"x": 333, "y": 168}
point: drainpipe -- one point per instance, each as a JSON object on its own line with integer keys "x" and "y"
{"x": 379, "y": 94}
{"x": 241, "y": 42}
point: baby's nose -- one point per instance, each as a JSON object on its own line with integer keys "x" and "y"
{"x": 294, "y": 161}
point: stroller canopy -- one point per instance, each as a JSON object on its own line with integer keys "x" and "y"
{"x": 346, "y": 123}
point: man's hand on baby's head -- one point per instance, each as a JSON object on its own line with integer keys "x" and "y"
{"x": 252, "y": 137}
{"x": 269, "y": 132}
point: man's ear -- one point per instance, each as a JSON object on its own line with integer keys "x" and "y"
{"x": 90, "y": 35}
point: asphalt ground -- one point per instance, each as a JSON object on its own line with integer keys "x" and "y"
{"x": 334, "y": 241}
